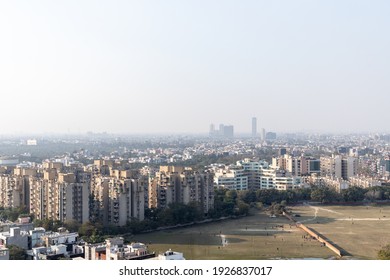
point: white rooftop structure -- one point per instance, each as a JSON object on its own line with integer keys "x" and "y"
{"x": 170, "y": 255}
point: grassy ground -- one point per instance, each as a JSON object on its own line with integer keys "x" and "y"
{"x": 254, "y": 237}
{"x": 359, "y": 230}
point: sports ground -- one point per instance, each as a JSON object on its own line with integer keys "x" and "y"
{"x": 359, "y": 231}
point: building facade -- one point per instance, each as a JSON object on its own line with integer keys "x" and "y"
{"x": 180, "y": 185}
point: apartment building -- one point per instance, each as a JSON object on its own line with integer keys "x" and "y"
{"x": 60, "y": 196}
{"x": 12, "y": 191}
{"x": 364, "y": 182}
{"x": 271, "y": 178}
{"x": 232, "y": 178}
{"x": 256, "y": 174}
{"x": 252, "y": 170}
{"x": 179, "y": 185}
{"x": 125, "y": 201}
{"x": 117, "y": 199}
{"x": 54, "y": 245}
{"x": 339, "y": 167}
{"x": 297, "y": 166}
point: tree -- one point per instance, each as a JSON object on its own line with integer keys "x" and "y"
{"x": 259, "y": 205}
{"x": 267, "y": 196}
{"x": 277, "y": 208}
{"x": 247, "y": 196}
{"x": 384, "y": 253}
{"x": 48, "y": 224}
{"x": 16, "y": 253}
{"x": 12, "y": 214}
{"x": 243, "y": 208}
{"x": 72, "y": 225}
{"x": 231, "y": 196}
{"x": 353, "y": 194}
{"x": 324, "y": 195}
{"x": 89, "y": 229}
{"x": 303, "y": 194}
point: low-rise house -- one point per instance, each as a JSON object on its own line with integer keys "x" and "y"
{"x": 14, "y": 237}
{"x": 115, "y": 249}
{"x": 170, "y": 256}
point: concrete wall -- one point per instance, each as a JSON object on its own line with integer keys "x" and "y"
{"x": 313, "y": 234}
{"x": 320, "y": 239}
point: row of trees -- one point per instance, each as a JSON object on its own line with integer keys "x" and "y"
{"x": 318, "y": 194}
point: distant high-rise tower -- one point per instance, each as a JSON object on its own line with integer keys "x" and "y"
{"x": 212, "y": 130}
{"x": 263, "y": 134}
{"x": 254, "y": 127}
{"x": 228, "y": 131}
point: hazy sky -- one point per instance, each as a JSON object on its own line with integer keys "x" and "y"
{"x": 177, "y": 66}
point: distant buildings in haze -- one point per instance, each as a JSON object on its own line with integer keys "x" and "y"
{"x": 224, "y": 131}
{"x": 227, "y": 131}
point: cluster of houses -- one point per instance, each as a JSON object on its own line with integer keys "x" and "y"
{"x": 40, "y": 244}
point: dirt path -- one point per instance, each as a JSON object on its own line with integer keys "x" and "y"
{"x": 316, "y": 210}
{"x": 315, "y": 214}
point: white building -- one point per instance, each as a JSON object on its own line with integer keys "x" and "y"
{"x": 62, "y": 237}
{"x": 364, "y": 182}
{"x": 115, "y": 249}
{"x": 278, "y": 179}
{"x": 337, "y": 184}
{"x": 170, "y": 256}
{"x": 36, "y": 236}
{"x": 231, "y": 178}
{"x": 252, "y": 169}
{"x": 253, "y": 174}
{"x": 55, "y": 252}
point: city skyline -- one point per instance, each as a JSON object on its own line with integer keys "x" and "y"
{"x": 175, "y": 67}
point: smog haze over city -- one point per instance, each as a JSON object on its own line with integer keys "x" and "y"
{"x": 198, "y": 130}
{"x": 145, "y": 67}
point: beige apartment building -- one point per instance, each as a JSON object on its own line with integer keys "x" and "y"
{"x": 180, "y": 185}
{"x": 339, "y": 167}
{"x": 59, "y": 197}
{"x": 297, "y": 166}
{"x": 12, "y": 191}
{"x": 118, "y": 199}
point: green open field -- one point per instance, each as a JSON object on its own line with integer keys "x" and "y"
{"x": 359, "y": 231}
